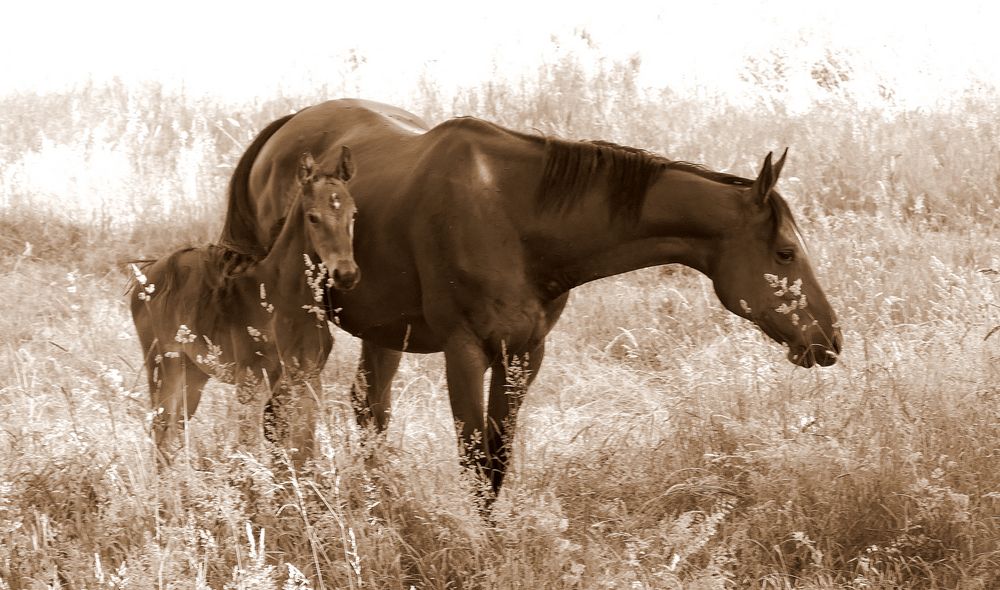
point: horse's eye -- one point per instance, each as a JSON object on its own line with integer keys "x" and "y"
{"x": 786, "y": 256}
{"x": 313, "y": 217}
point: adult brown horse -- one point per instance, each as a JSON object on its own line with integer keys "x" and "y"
{"x": 471, "y": 235}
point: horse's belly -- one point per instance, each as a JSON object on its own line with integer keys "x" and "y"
{"x": 405, "y": 334}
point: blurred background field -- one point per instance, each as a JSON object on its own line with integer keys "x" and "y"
{"x": 666, "y": 443}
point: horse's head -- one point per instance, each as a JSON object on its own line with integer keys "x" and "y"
{"x": 762, "y": 272}
{"x": 329, "y": 216}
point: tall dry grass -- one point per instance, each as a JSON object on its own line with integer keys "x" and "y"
{"x": 665, "y": 443}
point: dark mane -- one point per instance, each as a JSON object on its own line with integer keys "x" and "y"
{"x": 709, "y": 174}
{"x": 239, "y": 230}
{"x": 573, "y": 166}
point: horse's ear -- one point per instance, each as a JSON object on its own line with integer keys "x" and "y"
{"x": 780, "y": 163}
{"x": 345, "y": 168}
{"x": 306, "y": 166}
{"x": 768, "y": 177}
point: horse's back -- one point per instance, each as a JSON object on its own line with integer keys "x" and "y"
{"x": 353, "y": 122}
{"x": 384, "y": 137}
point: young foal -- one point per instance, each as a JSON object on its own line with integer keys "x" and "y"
{"x": 200, "y": 313}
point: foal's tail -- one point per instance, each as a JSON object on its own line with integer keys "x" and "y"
{"x": 239, "y": 229}
{"x": 166, "y": 273}
{"x": 136, "y": 270}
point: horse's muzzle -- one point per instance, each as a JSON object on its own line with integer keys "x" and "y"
{"x": 823, "y": 355}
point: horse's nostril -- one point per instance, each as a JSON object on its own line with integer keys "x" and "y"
{"x": 345, "y": 278}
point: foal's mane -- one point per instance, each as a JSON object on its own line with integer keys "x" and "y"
{"x": 573, "y": 166}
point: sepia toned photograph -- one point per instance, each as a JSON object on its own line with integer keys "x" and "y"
{"x": 520, "y": 295}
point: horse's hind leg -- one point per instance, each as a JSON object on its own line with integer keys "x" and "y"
{"x": 175, "y": 398}
{"x": 371, "y": 392}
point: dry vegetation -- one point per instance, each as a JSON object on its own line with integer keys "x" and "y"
{"x": 666, "y": 443}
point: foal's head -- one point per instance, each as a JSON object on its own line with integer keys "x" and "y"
{"x": 329, "y": 216}
{"x": 762, "y": 272}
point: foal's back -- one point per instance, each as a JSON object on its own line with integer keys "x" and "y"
{"x": 192, "y": 311}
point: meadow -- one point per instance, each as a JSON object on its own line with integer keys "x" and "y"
{"x": 665, "y": 444}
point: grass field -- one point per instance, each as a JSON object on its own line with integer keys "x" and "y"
{"x": 665, "y": 444}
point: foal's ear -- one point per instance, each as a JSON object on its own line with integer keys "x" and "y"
{"x": 768, "y": 177}
{"x": 345, "y": 167}
{"x": 306, "y": 166}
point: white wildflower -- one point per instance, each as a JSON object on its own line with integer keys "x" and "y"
{"x": 317, "y": 311}
{"x": 316, "y": 276}
{"x": 184, "y": 335}
{"x": 256, "y": 334}
{"x": 214, "y": 353}
{"x": 138, "y": 274}
{"x": 268, "y": 307}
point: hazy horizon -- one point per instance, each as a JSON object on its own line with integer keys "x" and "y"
{"x": 242, "y": 51}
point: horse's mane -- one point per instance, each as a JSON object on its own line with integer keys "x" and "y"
{"x": 239, "y": 232}
{"x": 572, "y": 166}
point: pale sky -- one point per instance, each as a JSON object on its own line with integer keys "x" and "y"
{"x": 239, "y": 50}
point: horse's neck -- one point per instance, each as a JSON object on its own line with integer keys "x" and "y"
{"x": 583, "y": 243}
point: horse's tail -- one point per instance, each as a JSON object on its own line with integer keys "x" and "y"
{"x": 239, "y": 229}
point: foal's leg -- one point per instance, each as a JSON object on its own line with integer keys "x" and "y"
{"x": 290, "y": 414}
{"x": 371, "y": 392}
{"x": 302, "y": 418}
{"x": 509, "y": 384}
{"x": 253, "y": 392}
{"x": 175, "y": 398}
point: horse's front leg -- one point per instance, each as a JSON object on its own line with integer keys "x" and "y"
{"x": 371, "y": 392}
{"x": 512, "y": 374}
{"x": 466, "y": 363}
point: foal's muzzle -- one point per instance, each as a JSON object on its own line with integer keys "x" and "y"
{"x": 346, "y": 278}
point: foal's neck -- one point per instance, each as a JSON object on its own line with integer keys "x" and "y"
{"x": 283, "y": 269}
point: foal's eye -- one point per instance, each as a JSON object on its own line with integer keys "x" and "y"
{"x": 313, "y": 217}
{"x": 786, "y": 256}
